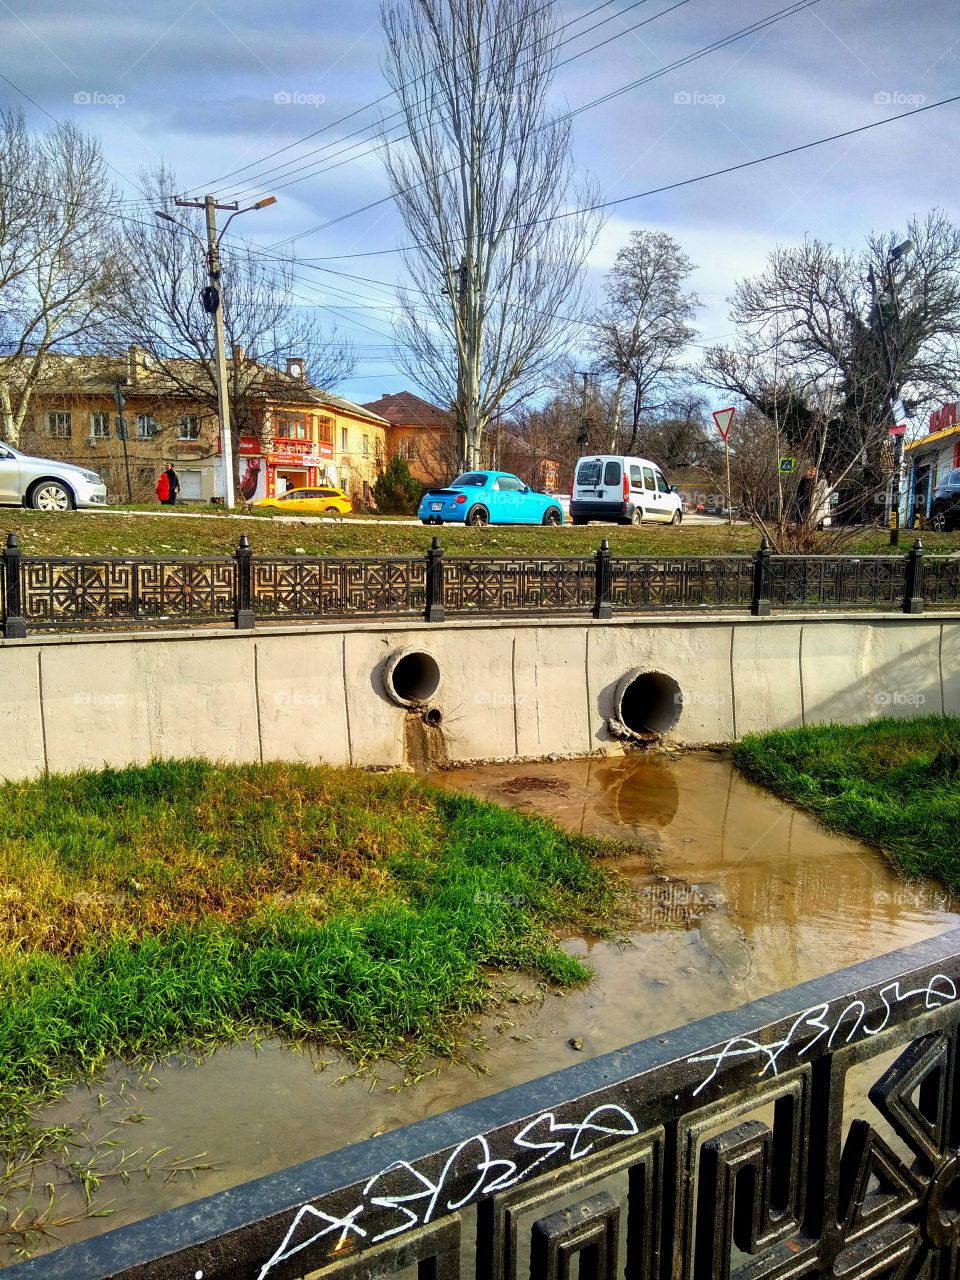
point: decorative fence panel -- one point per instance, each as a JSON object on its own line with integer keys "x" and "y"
{"x": 815, "y": 1133}
{"x": 321, "y": 587}
{"x": 504, "y": 584}
{"x": 70, "y": 593}
{"x": 646, "y": 582}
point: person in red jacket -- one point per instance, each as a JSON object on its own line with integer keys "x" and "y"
{"x": 168, "y": 486}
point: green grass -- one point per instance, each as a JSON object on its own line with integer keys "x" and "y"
{"x": 116, "y": 534}
{"x": 145, "y": 909}
{"x": 893, "y": 783}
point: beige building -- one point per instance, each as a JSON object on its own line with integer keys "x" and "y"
{"x": 421, "y": 433}
{"x": 295, "y": 434}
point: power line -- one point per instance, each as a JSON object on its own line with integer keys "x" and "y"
{"x": 385, "y": 97}
{"x": 797, "y": 6}
{"x": 372, "y": 129}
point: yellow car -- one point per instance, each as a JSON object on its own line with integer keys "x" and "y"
{"x": 313, "y": 502}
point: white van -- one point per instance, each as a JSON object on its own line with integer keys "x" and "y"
{"x": 624, "y": 490}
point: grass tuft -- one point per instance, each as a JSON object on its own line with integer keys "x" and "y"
{"x": 893, "y": 783}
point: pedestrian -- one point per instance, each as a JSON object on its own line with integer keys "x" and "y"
{"x": 173, "y": 485}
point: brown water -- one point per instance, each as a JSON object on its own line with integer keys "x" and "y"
{"x": 743, "y": 896}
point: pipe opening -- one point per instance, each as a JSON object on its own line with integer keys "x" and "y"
{"x": 433, "y": 715}
{"x": 411, "y": 677}
{"x": 647, "y": 702}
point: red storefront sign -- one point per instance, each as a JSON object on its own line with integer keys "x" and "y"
{"x": 944, "y": 417}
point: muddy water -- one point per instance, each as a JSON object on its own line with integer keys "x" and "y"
{"x": 742, "y": 896}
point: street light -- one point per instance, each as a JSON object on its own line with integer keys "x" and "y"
{"x": 896, "y": 253}
{"x": 211, "y": 298}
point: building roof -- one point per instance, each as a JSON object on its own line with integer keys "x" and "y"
{"x": 404, "y": 409}
{"x": 933, "y": 437}
{"x": 98, "y": 374}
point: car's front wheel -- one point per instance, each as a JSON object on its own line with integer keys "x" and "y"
{"x": 553, "y": 515}
{"x": 478, "y": 517}
{"x": 677, "y": 517}
{"x": 50, "y": 495}
{"x": 940, "y": 521}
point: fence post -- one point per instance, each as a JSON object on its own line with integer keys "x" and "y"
{"x": 435, "y": 611}
{"x": 913, "y": 588}
{"x": 14, "y": 623}
{"x": 602, "y": 606}
{"x": 244, "y": 619}
{"x": 760, "y": 604}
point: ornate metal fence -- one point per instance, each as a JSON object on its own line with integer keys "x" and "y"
{"x": 70, "y": 593}
{"x": 812, "y": 1133}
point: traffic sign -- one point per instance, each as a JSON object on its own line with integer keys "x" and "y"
{"x": 898, "y": 430}
{"x": 723, "y": 418}
{"x": 788, "y": 465}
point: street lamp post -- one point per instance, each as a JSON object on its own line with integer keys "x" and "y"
{"x": 212, "y": 299}
{"x": 899, "y": 251}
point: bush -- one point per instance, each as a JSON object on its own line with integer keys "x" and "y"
{"x": 396, "y": 492}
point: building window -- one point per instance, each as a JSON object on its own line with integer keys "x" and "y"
{"x": 378, "y": 448}
{"x": 408, "y": 449}
{"x": 188, "y": 427}
{"x": 292, "y": 427}
{"x": 366, "y": 446}
{"x": 325, "y": 430}
{"x": 99, "y": 426}
{"x": 344, "y": 440}
{"x": 147, "y": 426}
{"x": 59, "y": 424}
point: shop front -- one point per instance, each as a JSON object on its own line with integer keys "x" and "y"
{"x": 287, "y": 464}
{"x": 928, "y": 460}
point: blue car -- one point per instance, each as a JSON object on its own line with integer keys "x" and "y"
{"x": 489, "y": 497}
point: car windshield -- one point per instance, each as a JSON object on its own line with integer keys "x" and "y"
{"x": 476, "y": 478}
{"x": 588, "y": 472}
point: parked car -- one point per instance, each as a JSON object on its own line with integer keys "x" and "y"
{"x": 945, "y": 507}
{"x": 624, "y": 490}
{"x": 309, "y": 502}
{"x": 489, "y": 497}
{"x": 46, "y": 485}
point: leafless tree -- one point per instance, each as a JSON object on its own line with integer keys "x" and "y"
{"x": 481, "y": 179}
{"x": 826, "y": 331}
{"x": 645, "y": 326}
{"x": 56, "y": 274}
{"x": 159, "y": 309}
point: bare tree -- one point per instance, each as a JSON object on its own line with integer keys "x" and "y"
{"x": 481, "y": 181}
{"x": 159, "y": 309}
{"x": 828, "y": 339}
{"x": 644, "y": 328}
{"x": 56, "y": 273}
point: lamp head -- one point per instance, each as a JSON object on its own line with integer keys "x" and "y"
{"x": 901, "y": 250}
{"x": 262, "y": 204}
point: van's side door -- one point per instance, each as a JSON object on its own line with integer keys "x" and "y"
{"x": 637, "y": 494}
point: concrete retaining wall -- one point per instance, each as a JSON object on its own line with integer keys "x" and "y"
{"x": 508, "y": 690}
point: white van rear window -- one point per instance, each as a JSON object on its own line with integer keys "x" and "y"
{"x": 588, "y": 473}
{"x": 611, "y": 473}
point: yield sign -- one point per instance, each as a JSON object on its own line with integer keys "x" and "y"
{"x": 723, "y": 418}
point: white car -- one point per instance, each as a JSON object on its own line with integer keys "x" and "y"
{"x": 622, "y": 489}
{"x": 47, "y": 485}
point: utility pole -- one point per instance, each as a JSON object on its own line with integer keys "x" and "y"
{"x": 122, "y": 433}
{"x": 894, "y": 255}
{"x": 586, "y": 422}
{"x": 212, "y": 298}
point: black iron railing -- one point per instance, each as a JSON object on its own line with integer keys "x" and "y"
{"x": 812, "y": 1133}
{"x": 70, "y": 593}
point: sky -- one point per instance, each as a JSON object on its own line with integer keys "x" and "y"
{"x": 214, "y": 89}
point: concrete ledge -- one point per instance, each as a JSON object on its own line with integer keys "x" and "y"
{"x": 509, "y": 690}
